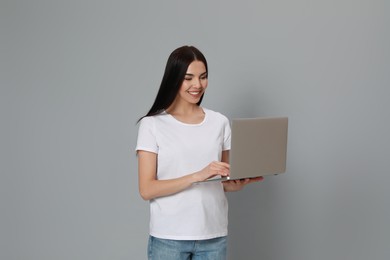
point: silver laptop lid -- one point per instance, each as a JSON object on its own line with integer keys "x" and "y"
{"x": 259, "y": 147}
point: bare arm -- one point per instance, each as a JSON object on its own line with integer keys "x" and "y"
{"x": 150, "y": 187}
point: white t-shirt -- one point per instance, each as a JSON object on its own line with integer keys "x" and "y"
{"x": 201, "y": 211}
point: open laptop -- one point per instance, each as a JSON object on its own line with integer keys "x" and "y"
{"x": 258, "y": 148}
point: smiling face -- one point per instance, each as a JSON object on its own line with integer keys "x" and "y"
{"x": 194, "y": 83}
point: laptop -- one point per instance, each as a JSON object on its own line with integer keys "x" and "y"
{"x": 258, "y": 148}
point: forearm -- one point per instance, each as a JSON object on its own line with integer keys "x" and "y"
{"x": 159, "y": 188}
{"x": 151, "y": 187}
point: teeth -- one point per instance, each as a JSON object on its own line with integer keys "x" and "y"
{"x": 194, "y": 93}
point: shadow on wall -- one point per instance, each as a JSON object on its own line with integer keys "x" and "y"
{"x": 254, "y": 223}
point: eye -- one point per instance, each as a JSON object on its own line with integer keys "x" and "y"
{"x": 187, "y": 78}
{"x": 203, "y": 77}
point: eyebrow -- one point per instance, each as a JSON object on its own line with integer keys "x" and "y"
{"x": 189, "y": 74}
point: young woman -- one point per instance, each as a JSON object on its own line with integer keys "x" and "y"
{"x": 180, "y": 143}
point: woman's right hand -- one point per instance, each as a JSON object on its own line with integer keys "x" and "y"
{"x": 213, "y": 169}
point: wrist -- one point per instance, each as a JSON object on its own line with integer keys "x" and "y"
{"x": 195, "y": 177}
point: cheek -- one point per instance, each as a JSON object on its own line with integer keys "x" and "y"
{"x": 205, "y": 85}
{"x": 183, "y": 87}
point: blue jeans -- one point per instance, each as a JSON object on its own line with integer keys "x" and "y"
{"x": 167, "y": 249}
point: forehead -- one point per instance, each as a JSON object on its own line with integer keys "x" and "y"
{"x": 196, "y": 67}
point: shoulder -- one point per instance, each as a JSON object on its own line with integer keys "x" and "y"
{"x": 214, "y": 115}
{"x": 152, "y": 120}
{"x": 146, "y": 121}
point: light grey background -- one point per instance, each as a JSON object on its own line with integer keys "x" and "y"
{"x": 76, "y": 75}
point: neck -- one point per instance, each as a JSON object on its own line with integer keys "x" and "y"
{"x": 183, "y": 109}
{"x": 187, "y": 114}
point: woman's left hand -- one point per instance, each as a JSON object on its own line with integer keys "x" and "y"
{"x": 236, "y": 185}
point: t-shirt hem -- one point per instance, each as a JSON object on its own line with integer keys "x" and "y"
{"x": 203, "y": 237}
{"x": 141, "y": 148}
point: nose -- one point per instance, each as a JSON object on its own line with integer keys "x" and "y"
{"x": 198, "y": 83}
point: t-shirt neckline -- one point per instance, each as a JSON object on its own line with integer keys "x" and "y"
{"x": 187, "y": 124}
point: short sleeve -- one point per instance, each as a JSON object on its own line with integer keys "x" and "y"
{"x": 146, "y": 140}
{"x": 227, "y": 135}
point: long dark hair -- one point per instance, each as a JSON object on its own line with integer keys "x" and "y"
{"x": 174, "y": 73}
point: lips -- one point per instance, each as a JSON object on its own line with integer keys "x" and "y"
{"x": 195, "y": 93}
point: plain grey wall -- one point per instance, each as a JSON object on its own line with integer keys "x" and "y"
{"x": 76, "y": 75}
